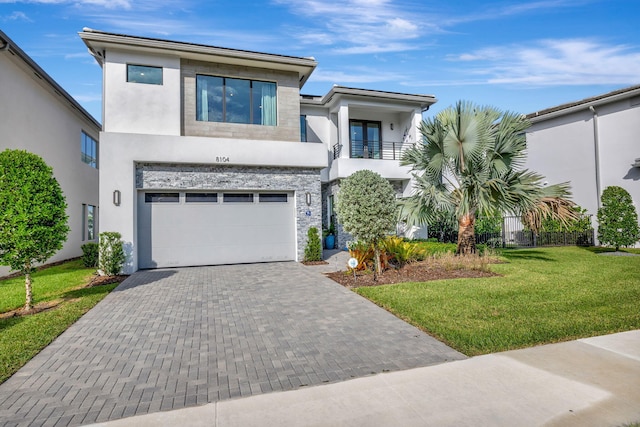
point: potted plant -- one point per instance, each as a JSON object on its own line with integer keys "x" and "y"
{"x": 329, "y": 237}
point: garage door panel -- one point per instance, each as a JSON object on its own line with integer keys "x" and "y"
{"x": 186, "y": 234}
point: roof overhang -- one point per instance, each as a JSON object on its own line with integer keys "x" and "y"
{"x": 99, "y": 41}
{"x": 585, "y": 104}
{"x": 367, "y": 95}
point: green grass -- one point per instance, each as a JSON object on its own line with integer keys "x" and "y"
{"x": 48, "y": 284}
{"x": 544, "y": 295}
{"x": 21, "y": 338}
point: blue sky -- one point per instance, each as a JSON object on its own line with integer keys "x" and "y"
{"x": 522, "y": 56}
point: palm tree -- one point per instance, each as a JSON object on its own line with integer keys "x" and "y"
{"x": 470, "y": 164}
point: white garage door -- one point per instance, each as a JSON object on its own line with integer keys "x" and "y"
{"x": 198, "y": 228}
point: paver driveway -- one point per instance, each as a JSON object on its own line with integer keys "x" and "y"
{"x": 168, "y": 339}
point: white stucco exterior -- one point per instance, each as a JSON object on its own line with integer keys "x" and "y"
{"x": 592, "y": 144}
{"x": 137, "y": 108}
{"x": 39, "y": 117}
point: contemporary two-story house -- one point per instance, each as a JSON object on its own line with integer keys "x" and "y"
{"x": 592, "y": 143}
{"x": 211, "y": 155}
{"x": 39, "y": 116}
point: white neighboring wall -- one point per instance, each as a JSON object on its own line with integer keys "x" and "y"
{"x": 592, "y": 148}
{"x": 40, "y": 119}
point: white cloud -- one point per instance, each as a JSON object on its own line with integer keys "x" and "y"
{"x": 16, "y": 16}
{"x": 358, "y": 26}
{"x": 555, "y": 62}
{"x": 108, "y": 4}
{"x": 355, "y": 75}
{"x": 88, "y": 97}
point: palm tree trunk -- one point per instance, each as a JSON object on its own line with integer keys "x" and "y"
{"x": 466, "y": 235}
{"x": 27, "y": 284}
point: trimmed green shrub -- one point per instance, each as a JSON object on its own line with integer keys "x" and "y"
{"x": 313, "y": 250}
{"x": 617, "y": 218}
{"x": 111, "y": 253}
{"x": 367, "y": 209}
{"x": 90, "y": 254}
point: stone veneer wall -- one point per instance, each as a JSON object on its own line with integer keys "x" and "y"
{"x": 288, "y": 103}
{"x": 214, "y": 177}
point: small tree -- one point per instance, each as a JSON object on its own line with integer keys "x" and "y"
{"x": 617, "y": 218}
{"x": 111, "y": 254}
{"x": 313, "y": 250}
{"x": 366, "y": 208}
{"x": 33, "y": 220}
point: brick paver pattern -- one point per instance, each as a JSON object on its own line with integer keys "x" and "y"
{"x": 174, "y": 338}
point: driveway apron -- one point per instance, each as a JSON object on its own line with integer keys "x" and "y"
{"x": 174, "y": 338}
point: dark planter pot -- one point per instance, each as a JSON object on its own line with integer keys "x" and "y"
{"x": 330, "y": 241}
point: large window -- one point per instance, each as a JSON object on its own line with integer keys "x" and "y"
{"x": 144, "y": 74}
{"x": 223, "y": 99}
{"x": 89, "y": 150}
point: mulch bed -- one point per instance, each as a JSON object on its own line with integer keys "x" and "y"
{"x": 415, "y": 272}
{"x": 105, "y": 280}
{"x": 315, "y": 262}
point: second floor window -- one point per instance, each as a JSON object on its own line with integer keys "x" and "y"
{"x": 89, "y": 150}
{"x": 303, "y": 128}
{"x": 224, "y": 99}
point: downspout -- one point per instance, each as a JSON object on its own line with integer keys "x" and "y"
{"x": 596, "y": 149}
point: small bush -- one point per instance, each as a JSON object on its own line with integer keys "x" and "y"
{"x": 403, "y": 252}
{"x": 90, "y": 254}
{"x": 111, "y": 253}
{"x": 363, "y": 252}
{"x": 313, "y": 250}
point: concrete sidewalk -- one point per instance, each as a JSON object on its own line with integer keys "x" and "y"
{"x": 589, "y": 382}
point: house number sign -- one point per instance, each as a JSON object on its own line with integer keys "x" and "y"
{"x": 222, "y": 159}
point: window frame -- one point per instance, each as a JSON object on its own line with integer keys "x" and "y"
{"x": 150, "y": 67}
{"x": 224, "y": 96}
{"x": 89, "y": 227}
{"x": 303, "y": 128}
{"x": 92, "y": 156}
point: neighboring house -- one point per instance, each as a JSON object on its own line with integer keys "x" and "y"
{"x": 363, "y": 129}
{"x": 38, "y": 116}
{"x": 593, "y": 143}
{"x": 210, "y": 155}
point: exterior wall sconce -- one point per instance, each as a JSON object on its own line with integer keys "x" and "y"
{"x": 391, "y": 126}
{"x": 307, "y": 198}
{"x": 116, "y": 197}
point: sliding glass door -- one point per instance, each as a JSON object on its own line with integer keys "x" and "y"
{"x": 366, "y": 141}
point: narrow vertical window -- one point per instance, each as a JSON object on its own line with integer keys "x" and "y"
{"x": 303, "y": 128}
{"x": 88, "y": 150}
{"x": 91, "y": 222}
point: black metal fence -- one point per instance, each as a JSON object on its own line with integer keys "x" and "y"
{"x": 383, "y": 150}
{"x": 510, "y": 232}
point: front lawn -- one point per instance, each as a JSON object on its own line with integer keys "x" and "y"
{"x": 543, "y": 295}
{"x": 23, "y": 337}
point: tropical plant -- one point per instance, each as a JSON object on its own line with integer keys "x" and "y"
{"x": 313, "y": 250}
{"x": 402, "y": 252}
{"x": 617, "y": 218}
{"x": 363, "y": 253}
{"x": 366, "y": 209}
{"x": 469, "y": 164}
{"x": 111, "y": 253}
{"x": 33, "y": 219}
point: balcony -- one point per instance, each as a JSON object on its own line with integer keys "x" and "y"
{"x": 384, "y": 150}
